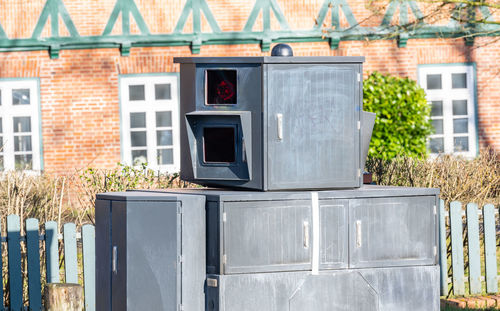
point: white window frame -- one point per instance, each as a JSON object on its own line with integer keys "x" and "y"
{"x": 447, "y": 94}
{"x": 8, "y": 111}
{"x": 150, "y": 106}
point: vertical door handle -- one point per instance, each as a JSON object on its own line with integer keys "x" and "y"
{"x": 114, "y": 260}
{"x": 358, "y": 233}
{"x": 306, "y": 234}
{"x": 279, "y": 119}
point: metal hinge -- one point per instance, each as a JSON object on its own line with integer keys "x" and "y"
{"x": 435, "y": 250}
{"x": 435, "y": 210}
{"x": 179, "y": 209}
{"x": 180, "y": 307}
{"x": 359, "y": 172}
{"x": 224, "y": 217}
{"x": 211, "y": 282}
{"x": 180, "y": 258}
{"x": 359, "y": 125}
{"x": 359, "y": 77}
{"x": 224, "y": 259}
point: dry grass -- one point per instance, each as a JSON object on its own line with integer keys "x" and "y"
{"x": 459, "y": 179}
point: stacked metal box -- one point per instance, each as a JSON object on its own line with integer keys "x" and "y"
{"x": 323, "y": 242}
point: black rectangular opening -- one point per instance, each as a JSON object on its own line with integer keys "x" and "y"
{"x": 219, "y": 144}
{"x": 221, "y": 87}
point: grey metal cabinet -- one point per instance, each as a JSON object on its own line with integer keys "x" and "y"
{"x": 266, "y": 235}
{"x": 280, "y": 122}
{"x": 150, "y": 251}
{"x": 394, "y": 289}
{"x": 393, "y": 231}
{"x": 312, "y": 130}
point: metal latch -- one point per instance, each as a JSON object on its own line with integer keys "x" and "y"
{"x": 279, "y": 119}
{"x": 306, "y": 234}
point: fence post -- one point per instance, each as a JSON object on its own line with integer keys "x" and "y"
{"x": 70, "y": 256}
{"x": 457, "y": 248}
{"x": 33, "y": 258}
{"x": 88, "y": 240}
{"x": 52, "y": 252}
{"x": 473, "y": 249}
{"x": 14, "y": 255}
{"x": 443, "y": 254}
{"x": 490, "y": 250}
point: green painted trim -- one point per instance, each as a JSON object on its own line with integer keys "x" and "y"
{"x": 335, "y": 6}
{"x": 197, "y": 7}
{"x": 266, "y": 6}
{"x": 54, "y": 8}
{"x": 3, "y": 35}
{"x": 126, "y": 7}
{"x": 476, "y": 103}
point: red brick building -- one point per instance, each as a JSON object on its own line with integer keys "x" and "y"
{"x": 91, "y": 83}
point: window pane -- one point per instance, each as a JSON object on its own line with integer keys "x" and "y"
{"x": 434, "y": 82}
{"x": 164, "y": 118}
{"x": 461, "y": 144}
{"x": 162, "y": 91}
{"x": 137, "y": 120}
{"x": 22, "y": 143}
{"x": 219, "y": 144}
{"x": 164, "y": 138}
{"x": 24, "y": 161}
{"x": 22, "y": 124}
{"x": 460, "y": 125}
{"x": 438, "y": 126}
{"x": 139, "y": 157}
{"x": 436, "y": 145}
{"x": 437, "y": 108}
{"x": 460, "y": 107}
{"x": 21, "y": 97}
{"x": 138, "y": 139}
{"x": 221, "y": 87}
{"x": 136, "y": 92}
{"x": 459, "y": 80}
{"x": 165, "y": 156}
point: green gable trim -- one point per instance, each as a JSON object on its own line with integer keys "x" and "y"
{"x": 197, "y": 39}
{"x": 266, "y": 6}
{"x": 54, "y": 8}
{"x": 335, "y": 6}
{"x": 3, "y": 35}
{"x": 125, "y": 7}
{"x": 197, "y": 7}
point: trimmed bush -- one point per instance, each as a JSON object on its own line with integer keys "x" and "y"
{"x": 403, "y": 116}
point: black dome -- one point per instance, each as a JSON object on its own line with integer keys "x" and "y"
{"x": 282, "y": 50}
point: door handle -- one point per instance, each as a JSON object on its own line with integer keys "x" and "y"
{"x": 279, "y": 119}
{"x": 114, "y": 261}
{"x": 358, "y": 233}
{"x": 306, "y": 234}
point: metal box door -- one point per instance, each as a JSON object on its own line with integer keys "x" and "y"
{"x": 312, "y": 115}
{"x": 262, "y": 236}
{"x": 146, "y": 273}
{"x": 333, "y": 234}
{"x": 392, "y": 231}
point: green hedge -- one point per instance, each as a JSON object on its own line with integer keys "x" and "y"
{"x": 402, "y": 124}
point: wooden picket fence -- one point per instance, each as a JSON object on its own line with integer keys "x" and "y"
{"x": 30, "y": 244}
{"x": 468, "y": 249}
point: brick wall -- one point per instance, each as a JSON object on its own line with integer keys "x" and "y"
{"x": 79, "y": 91}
